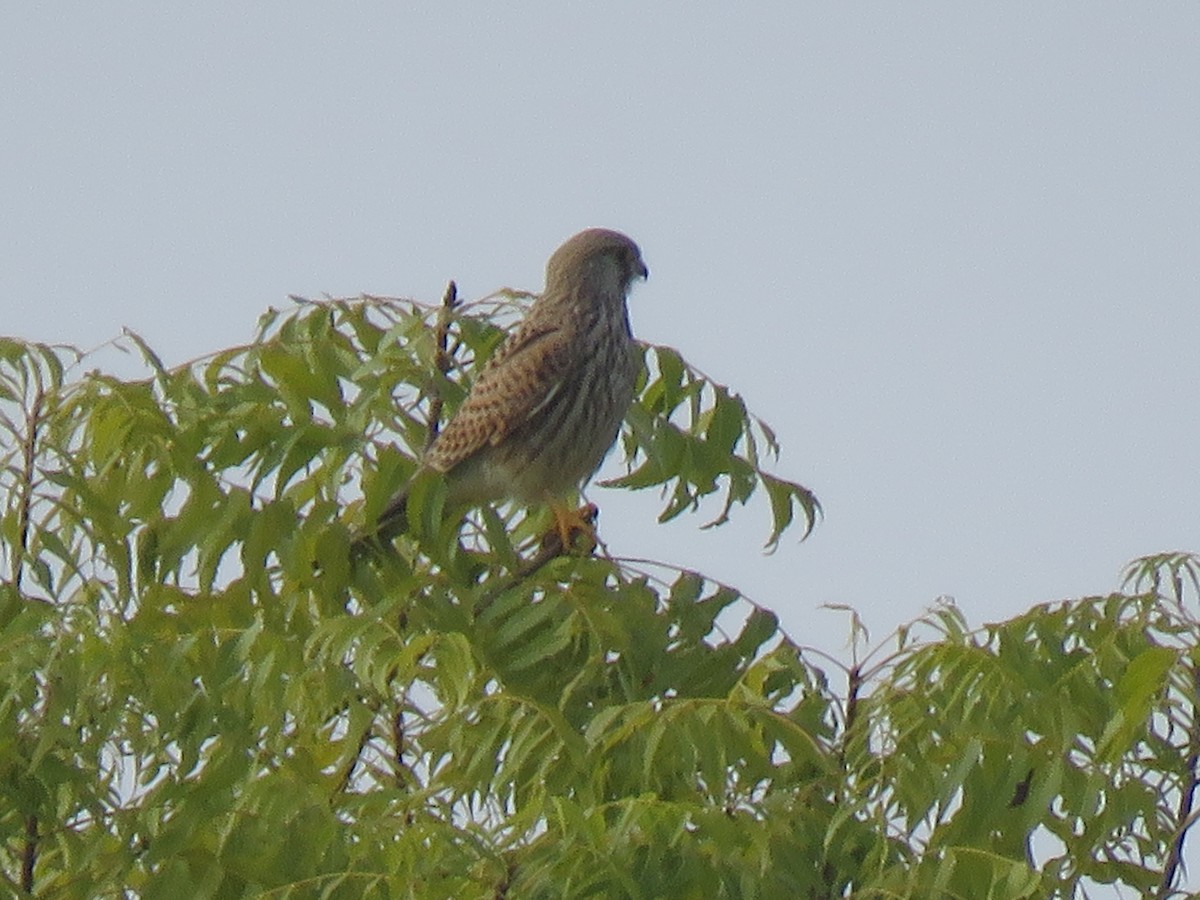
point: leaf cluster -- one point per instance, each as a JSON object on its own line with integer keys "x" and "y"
{"x": 203, "y": 696}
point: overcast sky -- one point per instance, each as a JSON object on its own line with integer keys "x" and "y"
{"x": 949, "y": 250}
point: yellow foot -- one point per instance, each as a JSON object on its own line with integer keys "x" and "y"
{"x": 569, "y": 525}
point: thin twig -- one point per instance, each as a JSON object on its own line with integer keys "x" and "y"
{"x": 29, "y": 853}
{"x": 441, "y": 357}
{"x": 1184, "y": 815}
{"x": 853, "y": 691}
{"x": 398, "y": 745}
{"x": 406, "y": 778}
{"x": 33, "y": 421}
{"x": 347, "y": 779}
{"x": 506, "y": 882}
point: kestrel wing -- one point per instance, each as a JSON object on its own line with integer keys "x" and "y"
{"x": 523, "y": 377}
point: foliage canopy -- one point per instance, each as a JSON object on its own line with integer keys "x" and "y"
{"x": 201, "y": 696}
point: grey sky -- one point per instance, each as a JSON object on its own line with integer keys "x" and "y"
{"x": 948, "y": 250}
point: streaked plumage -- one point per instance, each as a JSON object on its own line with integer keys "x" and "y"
{"x": 548, "y": 405}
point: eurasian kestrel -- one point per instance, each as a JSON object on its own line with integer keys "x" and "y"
{"x": 548, "y": 405}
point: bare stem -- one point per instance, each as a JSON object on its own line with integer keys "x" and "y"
{"x": 33, "y": 419}
{"x": 29, "y": 853}
{"x": 403, "y": 772}
{"x": 441, "y": 358}
{"x": 347, "y": 779}
{"x": 1187, "y": 795}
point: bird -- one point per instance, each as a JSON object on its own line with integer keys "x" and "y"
{"x": 547, "y": 407}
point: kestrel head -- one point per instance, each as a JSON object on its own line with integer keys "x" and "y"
{"x": 605, "y": 260}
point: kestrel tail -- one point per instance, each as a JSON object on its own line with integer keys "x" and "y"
{"x": 548, "y": 405}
